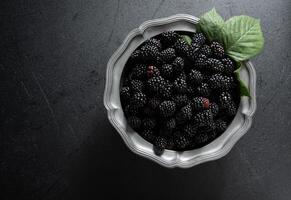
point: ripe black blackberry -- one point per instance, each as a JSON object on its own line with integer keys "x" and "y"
{"x": 199, "y": 103}
{"x": 152, "y": 71}
{"x": 149, "y": 53}
{"x": 193, "y": 52}
{"x": 167, "y": 71}
{"x": 135, "y": 56}
{"x": 138, "y": 99}
{"x": 149, "y": 123}
{"x": 213, "y": 107}
{"x": 190, "y": 130}
{"x": 214, "y": 65}
{"x": 169, "y": 37}
{"x": 180, "y": 100}
{"x": 125, "y": 94}
{"x": 217, "y": 50}
{"x": 229, "y": 66}
{"x": 136, "y": 85}
{"x": 168, "y": 55}
{"x": 227, "y": 103}
{"x": 170, "y": 143}
{"x": 220, "y": 126}
{"x": 181, "y": 47}
{"x": 149, "y": 112}
{"x": 154, "y": 42}
{"x": 181, "y": 141}
{"x": 184, "y": 114}
{"x": 154, "y": 102}
{"x": 155, "y": 83}
{"x": 201, "y": 62}
{"x": 178, "y": 65}
{"x": 139, "y": 72}
{"x": 205, "y": 50}
{"x": 131, "y": 110}
{"x": 203, "y": 118}
{"x": 201, "y": 139}
{"x": 204, "y": 90}
{"x": 195, "y": 77}
{"x": 134, "y": 122}
{"x": 166, "y": 91}
{"x": 169, "y": 124}
{"x": 167, "y": 108}
{"x": 199, "y": 39}
{"x": 180, "y": 84}
{"x": 160, "y": 144}
{"x": 148, "y": 135}
{"x": 221, "y": 82}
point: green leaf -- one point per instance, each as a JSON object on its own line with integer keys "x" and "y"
{"x": 187, "y": 39}
{"x": 244, "y": 90}
{"x": 211, "y": 24}
{"x": 242, "y": 37}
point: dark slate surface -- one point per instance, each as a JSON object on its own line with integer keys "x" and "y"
{"x": 56, "y": 141}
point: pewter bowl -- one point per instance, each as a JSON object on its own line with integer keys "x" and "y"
{"x": 214, "y": 150}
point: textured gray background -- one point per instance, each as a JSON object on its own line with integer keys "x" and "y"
{"x": 56, "y": 141}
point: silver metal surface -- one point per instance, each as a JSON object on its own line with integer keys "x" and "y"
{"x": 216, "y": 149}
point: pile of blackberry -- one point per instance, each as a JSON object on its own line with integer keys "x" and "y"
{"x": 177, "y": 95}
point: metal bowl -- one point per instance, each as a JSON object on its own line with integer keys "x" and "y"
{"x": 217, "y": 148}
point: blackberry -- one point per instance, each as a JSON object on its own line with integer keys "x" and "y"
{"x": 180, "y": 100}
{"x": 152, "y": 71}
{"x": 149, "y": 53}
{"x": 147, "y": 111}
{"x": 134, "y": 122}
{"x": 136, "y": 85}
{"x": 195, "y": 77}
{"x": 217, "y": 49}
{"x": 199, "y": 39}
{"x": 154, "y": 102}
{"x": 209, "y": 129}
{"x": 168, "y": 55}
{"x": 201, "y": 62}
{"x": 214, "y": 65}
{"x": 199, "y": 103}
{"x": 192, "y": 53}
{"x": 203, "y": 118}
{"x": 125, "y": 94}
{"x": 205, "y": 50}
{"x": 184, "y": 114}
{"x": 229, "y": 66}
{"x": 166, "y": 91}
{"x": 214, "y": 109}
{"x": 201, "y": 138}
{"x": 138, "y": 99}
{"x": 169, "y": 37}
{"x": 131, "y": 110}
{"x": 181, "y": 47}
{"x": 170, "y": 143}
{"x": 167, "y": 108}
{"x": 220, "y": 126}
{"x": 149, "y": 123}
{"x": 169, "y": 124}
{"x": 167, "y": 71}
{"x": 181, "y": 141}
{"x": 178, "y": 65}
{"x": 154, "y": 42}
{"x": 160, "y": 144}
{"x": 221, "y": 82}
{"x": 139, "y": 72}
{"x": 180, "y": 84}
{"x": 203, "y": 90}
{"x": 155, "y": 83}
{"x": 135, "y": 56}
{"x": 227, "y": 103}
{"x": 190, "y": 129}
{"x": 148, "y": 135}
